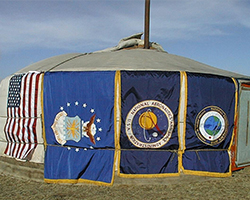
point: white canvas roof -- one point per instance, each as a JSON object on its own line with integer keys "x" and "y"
{"x": 127, "y": 55}
{"x": 126, "y": 59}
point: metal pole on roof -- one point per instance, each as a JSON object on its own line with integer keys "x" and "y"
{"x": 146, "y": 28}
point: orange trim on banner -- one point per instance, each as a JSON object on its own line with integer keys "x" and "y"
{"x": 245, "y": 85}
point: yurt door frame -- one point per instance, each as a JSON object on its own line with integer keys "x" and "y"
{"x": 243, "y": 136}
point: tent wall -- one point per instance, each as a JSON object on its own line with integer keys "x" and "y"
{"x": 4, "y": 85}
{"x": 198, "y": 91}
{"x": 243, "y": 136}
{"x": 182, "y": 101}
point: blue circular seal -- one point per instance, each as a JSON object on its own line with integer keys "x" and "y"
{"x": 211, "y": 125}
{"x": 149, "y": 124}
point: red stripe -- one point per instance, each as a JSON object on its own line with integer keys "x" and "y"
{"x": 35, "y": 107}
{"x": 13, "y": 131}
{"x": 23, "y": 130}
{"x": 6, "y": 127}
{"x": 23, "y": 97}
{"x": 12, "y": 149}
{"x": 22, "y": 148}
{"x": 32, "y": 128}
{"x": 15, "y": 149}
{"x": 18, "y": 130}
{"x": 34, "y": 131}
{"x": 21, "y": 141}
{"x": 158, "y": 129}
{"x": 28, "y": 150}
{"x": 23, "y": 135}
{"x": 36, "y": 94}
{"x": 29, "y": 96}
{"x": 29, "y": 131}
{"x": 7, "y": 149}
{"x": 10, "y": 129}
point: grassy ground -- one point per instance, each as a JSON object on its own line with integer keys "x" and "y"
{"x": 235, "y": 187}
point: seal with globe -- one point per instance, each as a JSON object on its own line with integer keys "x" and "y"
{"x": 211, "y": 125}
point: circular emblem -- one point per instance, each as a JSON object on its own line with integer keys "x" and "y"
{"x": 211, "y": 125}
{"x": 149, "y": 124}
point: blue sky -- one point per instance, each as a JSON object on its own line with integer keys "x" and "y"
{"x": 214, "y": 32}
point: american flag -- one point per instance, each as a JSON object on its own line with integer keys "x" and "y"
{"x": 20, "y": 127}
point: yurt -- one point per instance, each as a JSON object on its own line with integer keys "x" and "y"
{"x": 126, "y": 110}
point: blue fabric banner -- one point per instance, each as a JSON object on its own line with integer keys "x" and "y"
{"x": 79, "y": 126}
{"x": 207, "y": 161}
{"x": 148, "y": 162}
{"x": 209, "y": 123}
{"x": 75, "y": 164}
{"x": 149, "y": 109}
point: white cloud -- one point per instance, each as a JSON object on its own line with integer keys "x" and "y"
{"x": 72, "y": 24}
{"x": 64, "y": 28}
{"x": 192, "y": 19}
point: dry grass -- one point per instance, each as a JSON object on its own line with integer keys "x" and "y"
{"x": 235, "y": 187}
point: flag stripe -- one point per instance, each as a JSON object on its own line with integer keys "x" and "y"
{"x": 30, "y": 109}
{"x": 20, "y": 127}
{"x": 15, "y": 137}
{"x": 10, "y": 132}
{"x": 25, "y": 98}
{"x": 18, "y": 130}
{"x": 6, "y": 127}
{"x": 21, "y": 110}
